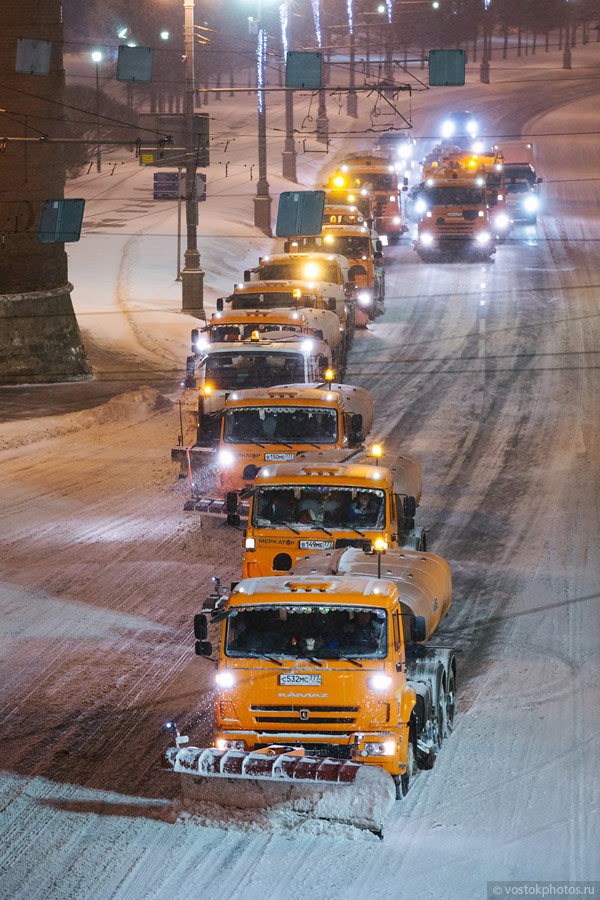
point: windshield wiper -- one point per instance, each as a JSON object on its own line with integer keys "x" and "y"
{"x": 353, "y": 528}
{"x": 265, "y": 656}
{"x": 310, "y": 659}
{"x": 321, "y": 528}
{"x": 354, "y": 662}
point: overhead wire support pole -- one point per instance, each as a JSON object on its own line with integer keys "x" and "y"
{"x": 192, "y": 276}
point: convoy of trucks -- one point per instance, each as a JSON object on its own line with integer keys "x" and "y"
{"x": 331, "y": 692}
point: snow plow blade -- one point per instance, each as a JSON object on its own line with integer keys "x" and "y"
{"x": 336, "y": 790}
{"x": 216, "y": 507}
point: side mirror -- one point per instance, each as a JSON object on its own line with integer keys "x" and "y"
{"x": 410, "y": 507}
{"x": 539, "y": 180}
{"x": 357, "y": 423}
{"x": 247, "y": 275}
{"x": 405, "y": 182}
{"x": 332, "y": 304}
{"x": 418, "y": 629}
{"x": 200, "y": 627}
{"x": 378, "y": 246}
{"x": 378, "y": 254}
{"x": 231, "y": 503}
{"x": 405, "y": 187}
{"x": 203, "y": 648}
{"x": 219, "y": 304}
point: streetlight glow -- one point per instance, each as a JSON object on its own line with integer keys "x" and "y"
{"x": 164, "y": 35}
{"x": 96, "y": 56}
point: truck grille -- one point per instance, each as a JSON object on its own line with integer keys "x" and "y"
{"x": 336, "y": 751}
{"x": 313, "y": 715}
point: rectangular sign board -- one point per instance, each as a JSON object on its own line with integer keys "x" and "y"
{"x": 300, "y": 213}
{"x": 447, "y": 68}
{"x": 60, "y": 221}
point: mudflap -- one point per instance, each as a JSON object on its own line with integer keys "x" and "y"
{"x": 321, "y": 788}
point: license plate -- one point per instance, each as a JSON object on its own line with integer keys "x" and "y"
{"x": 316, "y": 545}
{"x": 293, "y": 678}
{"x": 278, "y": 457}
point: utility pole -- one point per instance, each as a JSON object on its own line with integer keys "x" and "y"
{"x": 288, "y": 157}
{"x": 262, "y": 201}
{"x": 352, "y": 106}
{"x": 192, "y": 276}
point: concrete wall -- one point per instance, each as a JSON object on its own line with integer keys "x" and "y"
{"x": 33, "y": 277}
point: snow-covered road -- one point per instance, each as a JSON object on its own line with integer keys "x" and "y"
{"x": 489, "y": 375}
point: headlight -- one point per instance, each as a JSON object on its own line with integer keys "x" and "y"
{"x": 201, "y": 345}
{"x": 250, "y": 544}
{"x": 311, "y": 270}
{"x": 379, "y": 748}
{"x": 420, "y": 206}
{"x": 448, "y": 129}
{"x": 482, "y": 237}
{"x": 396, "y": 220}
{"x": 380, "y": 682}
{"x": 225, "y": 458}
{"x": 472, "y": 127}
{"x": 207, "y": 389}
{"x": 405, "y": 151}
{"x": 392, "y": 198}
{"x": 364, "y": 298}
{"x": 222, "y": 744}
{"x": 426, "y": 239}
{"x": 328, "y": 239}
{"x": 531, "y": 203}
{"x": 225, "y": 679}
{"x": 502, "y": 221}
{"x": 308, "y": 346}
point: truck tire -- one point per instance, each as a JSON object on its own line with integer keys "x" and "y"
{"x": 403, "y": 781}
{"x": 450, "y": 705}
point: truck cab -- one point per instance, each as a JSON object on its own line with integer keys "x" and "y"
{"x": 336, "y": 664}
{"x": 375, "y": 175}
{"x": 278, "y": 424}
{"x": 456, "y": 218}
{"x": 323, "y": 272}
{"x": 319, "y": 504}
{"x": 225, "y": 367}
{"x": 363, "y": 250}
{"x": 522, "y": 192}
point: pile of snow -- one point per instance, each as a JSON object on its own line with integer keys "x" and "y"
{"x": 133, "y": 406}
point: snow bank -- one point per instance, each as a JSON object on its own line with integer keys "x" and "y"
{"x": 130, "y": 407}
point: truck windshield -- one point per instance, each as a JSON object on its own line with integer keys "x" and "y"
{"x": 242, "y": 331}
{"x": 273, "y": 299}
{"x": 518, "y": 187}
{"x": 289, "y": 424}
{"x": 300, "y": 270}
{"x": 346, "y": 245}
{"x": 235, "y": 371}
{"x": 377, "y": 182}
{"x": 323, "y": 632}
{"x": 455, "y": 195}
{"x": 339, "y": 508}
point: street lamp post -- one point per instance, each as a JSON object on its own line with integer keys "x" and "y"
{"x": 192, "y": 276}
{"x": 97, "y": 58}
{"x": 352, "y": 105}
{"x": 288, "y": 157}
{"x": 262, "y": 201}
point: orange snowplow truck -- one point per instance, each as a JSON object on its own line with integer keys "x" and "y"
{"x": 328, "y": 698}
{"x": 456, "y": 218}
{"x": 375, "y": 175}
{"x": 322, "y": 504}
{"x": 491, "y": 165}
{"x": 278, "y": 424}
{"x": 363, "y": 250}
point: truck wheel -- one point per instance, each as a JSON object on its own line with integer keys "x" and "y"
{"x": 450, "y": 710}
{"x": 403, "y": 781}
